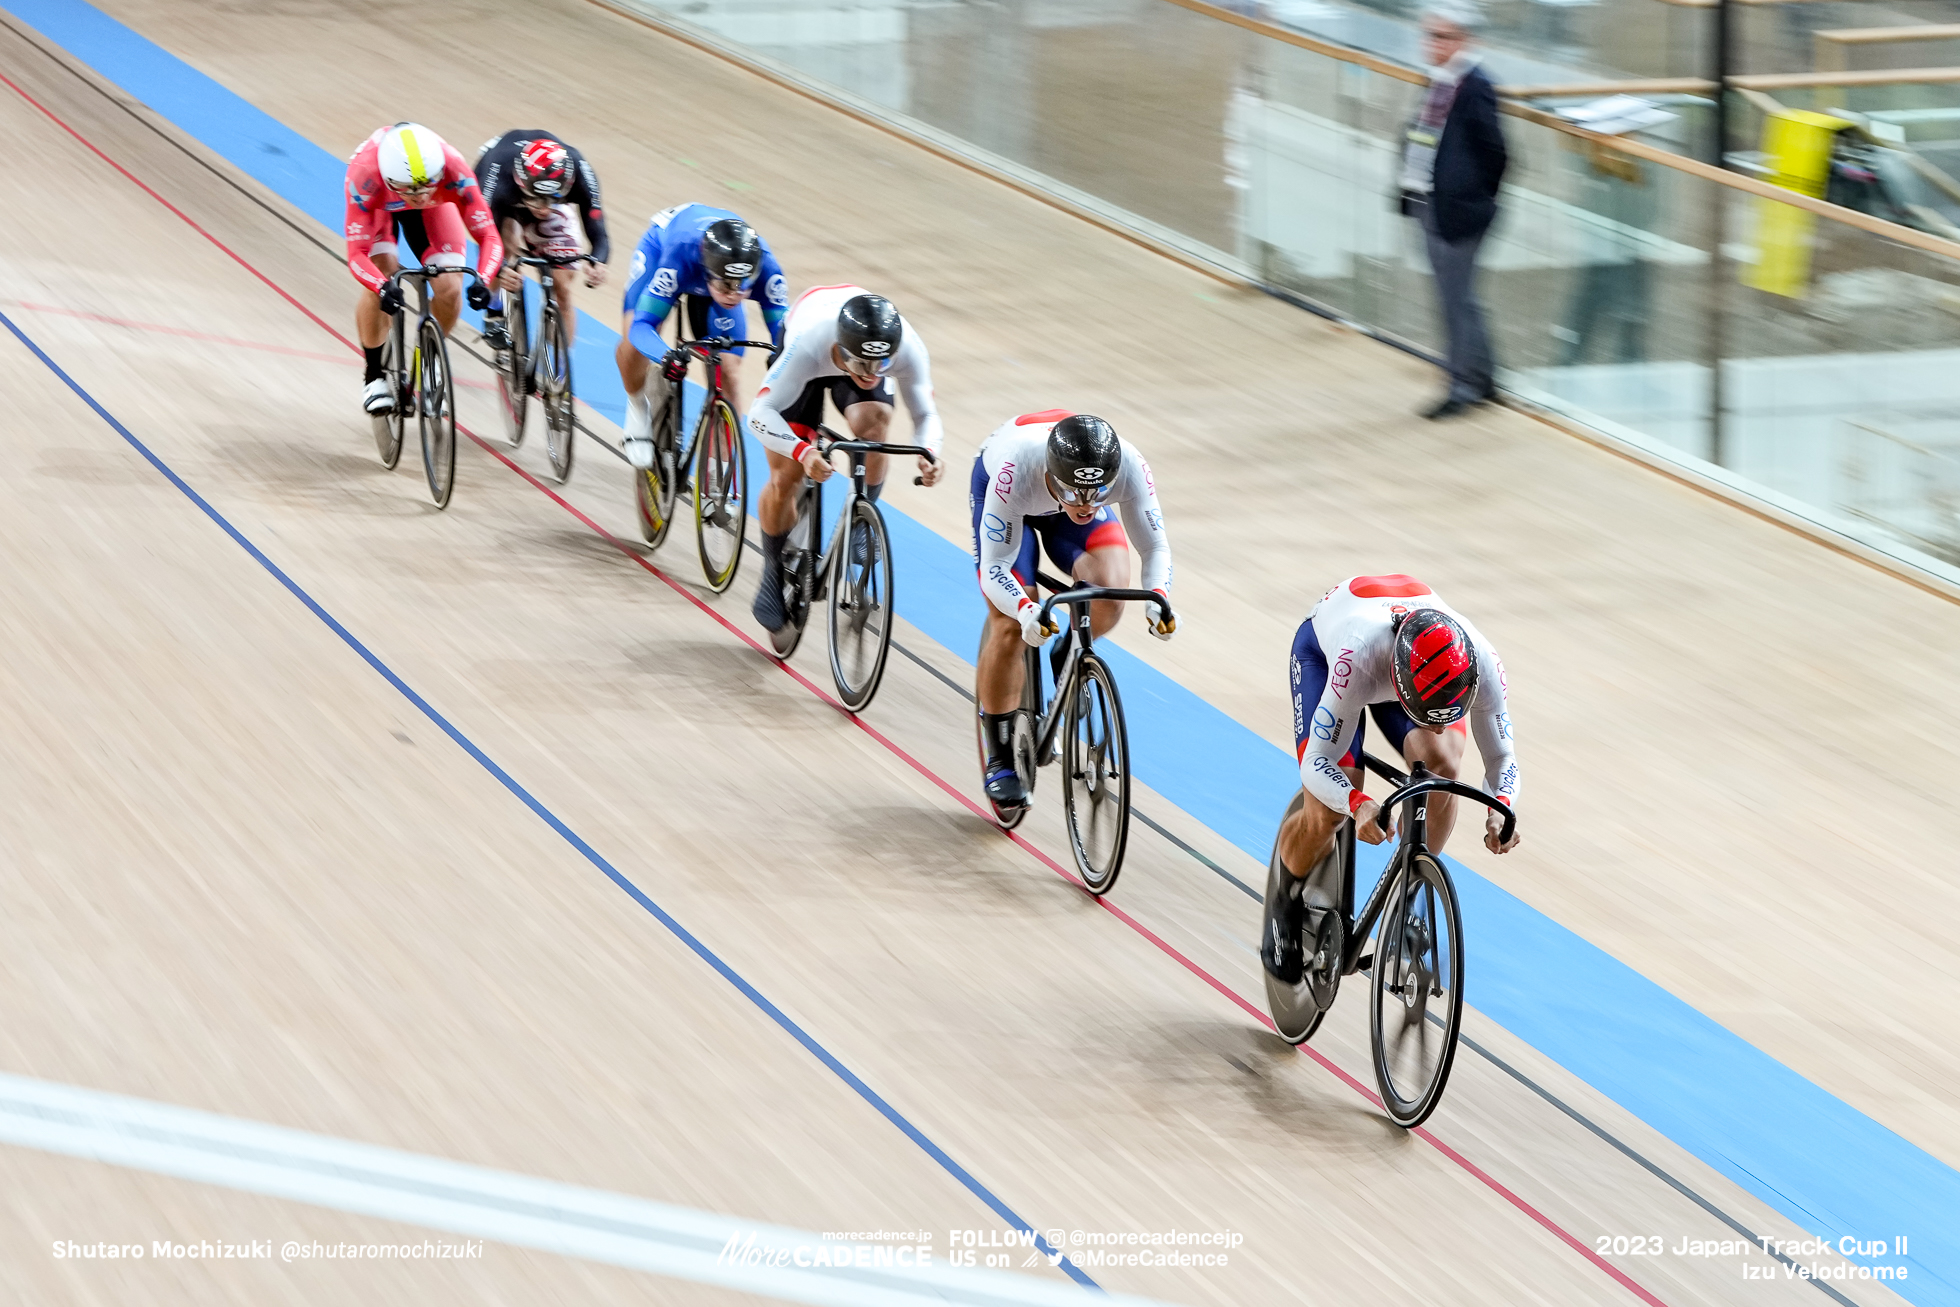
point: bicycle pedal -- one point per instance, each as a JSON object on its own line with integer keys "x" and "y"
{"x": 1364, "y": 962}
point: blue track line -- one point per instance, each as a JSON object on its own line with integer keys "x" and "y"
{"x": 551, "y": 819}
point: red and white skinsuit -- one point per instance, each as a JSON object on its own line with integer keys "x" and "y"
{"x": 455, "y": 213}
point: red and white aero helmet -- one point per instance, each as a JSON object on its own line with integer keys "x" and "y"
{"x": 541, "y": 169}
{"x": 1435, "y": 667}
{"x": 411, "y": 158}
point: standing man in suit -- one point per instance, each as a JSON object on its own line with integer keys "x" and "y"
{"x": 1452, "y": 161}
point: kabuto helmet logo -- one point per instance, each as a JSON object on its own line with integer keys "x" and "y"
{"x": 738, "y": 271}
{"x": 875, "y": 349}
{"x": 1088, "y": 476}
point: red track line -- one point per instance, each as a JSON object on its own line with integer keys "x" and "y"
{"x": 1493, "y": 1184}
{"x": 187, "y": 333}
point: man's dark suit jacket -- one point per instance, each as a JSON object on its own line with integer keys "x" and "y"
{"x": 1470, "y": 160}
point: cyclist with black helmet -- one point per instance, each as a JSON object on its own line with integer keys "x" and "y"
{"x": 852, "y": 346}
{"x": 1386, "y": 647}
{"x": 535, "y": 184}
{"x": 1055, "y": 475}
{"x": 709, "y": 261}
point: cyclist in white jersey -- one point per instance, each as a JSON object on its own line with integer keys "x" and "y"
{"x": 1055, "y": 475}
{"x": 1390, "y": 648}
{"x": 849, "y": 344}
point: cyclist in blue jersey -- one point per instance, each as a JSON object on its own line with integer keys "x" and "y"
{"x": 707, "y": 260}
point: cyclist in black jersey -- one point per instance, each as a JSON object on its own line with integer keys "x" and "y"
{"x": 535, "y": 184}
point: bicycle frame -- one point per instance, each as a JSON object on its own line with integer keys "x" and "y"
{"x": 1414, "y": 789}
{"x": 1078, "y": 601}
{"x": 830, "y": 442}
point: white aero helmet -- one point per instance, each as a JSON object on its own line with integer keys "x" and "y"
{"x": 411, "y": 157}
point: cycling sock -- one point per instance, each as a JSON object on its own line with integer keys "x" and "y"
{"x": 1058, "y": 654}
{"x": 772, "y": 547}
{"x": 374, "y": 368}
{"x": 872, "y": 492}
{"x": 998, "y": 730}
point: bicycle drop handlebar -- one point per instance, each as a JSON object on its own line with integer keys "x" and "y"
{"x": 425, "y": 273}
{"x": 831, "y": 442}
{"x": 1092, "y": 592}
{"x": 553, "y": 260}
{"x": 1412, "y": 789}
{"x": 721, "y": 345}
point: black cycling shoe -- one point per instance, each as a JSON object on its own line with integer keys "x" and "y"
{"x": 495, "y": 334}
{"x": 1283, "y": 951}
{"x": 1004, "y": 788}
{"x": 768, "y": 609}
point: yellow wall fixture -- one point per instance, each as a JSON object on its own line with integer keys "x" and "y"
{"x": 1797, "y": 149}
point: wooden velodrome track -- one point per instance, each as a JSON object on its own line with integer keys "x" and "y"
{"x": 244, "y": 873}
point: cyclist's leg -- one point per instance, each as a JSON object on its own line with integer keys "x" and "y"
{"x": 553, "y": 235}
{"x": 729, "y": 322}
{"x": 1438, "y": 748}
{"x": 1095, "y": 552}
{"x": 1306, "y": 835}
{"x": 633, "y": 365}
{"x": 775, "y": 507}
{"x": 371, "y": 327}
{"x": 998, "y": 675}
{"x": 447, "y": 244}
{"x": 515, "y": 243}
{"x": 869, "y": 414}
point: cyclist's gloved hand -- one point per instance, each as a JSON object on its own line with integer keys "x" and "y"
{"x": 1164, "y": 629}
{"x": 478, "y": 295}
{"x": 1033, "y": 630}
{"x": 673, "y": 364}
{"x": 391, "y": 299}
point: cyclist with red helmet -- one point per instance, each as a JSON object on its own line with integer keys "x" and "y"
{"x": 407, "y": 183}
{"x": 1386, "y": 647}
{"x": 535, "y": 185}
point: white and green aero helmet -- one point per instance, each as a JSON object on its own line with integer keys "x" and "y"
{"x": 411, "y": 157}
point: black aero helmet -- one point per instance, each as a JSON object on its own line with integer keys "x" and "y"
{"x": 869, "y": 328}
{"x": 1084, "y": 457}
{"x": 1435, "y": 667}
{"x": 731, "y": 251}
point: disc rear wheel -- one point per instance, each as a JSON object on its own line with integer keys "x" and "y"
{"x": 435, "y": 410}
{"x": 389, "y": 427}
{"x": 656, "y": 488}
{"x": 860, "y": 608}
{"x": 553, "y": 373}
{"x": 516, "y": 369}
{"x": 721, "y": 494}
{"x": 1096, "y": 775}
{"x": 1417, "y": 1005}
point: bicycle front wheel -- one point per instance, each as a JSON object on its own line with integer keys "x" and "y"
{"x": 553, "y": 371}
{"x": 861, "y": 608}
{"x": 516, "y": 369}
{"x": 389, "y": 427}
{"x": 1417, "y": 1005}
{"x": 435, "y": 409}
{"x": 656, "y": 489}
{"x": 721, "y": 494}
{"x": 1096, "y": 775}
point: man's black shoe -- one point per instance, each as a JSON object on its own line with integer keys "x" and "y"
{"x": 1283, "y": 951}
{"x": 1449, "y": 407}
{"x": 495, "y": 334}
{"x": 1005, "y": 790}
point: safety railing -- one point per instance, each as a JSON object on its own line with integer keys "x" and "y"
{"x": 1704, "y": 315}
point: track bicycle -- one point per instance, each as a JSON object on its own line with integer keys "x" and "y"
{"x": 1082, "y": 726}
{"x": 721, "y": 473}
{"x": 855, "y": 580}
{"x": 1416, "y": 968}
{"x": 420, "y": 379}
{"x": 544, "y": 370}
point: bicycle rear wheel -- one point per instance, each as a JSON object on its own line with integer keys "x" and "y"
{"x": 1417, "y": 1004}
{"x": 801, "y": 559}
{"x": 1096, "y": 775}
{"x": 435, "y": 409}
{"x": 860, "y": 608}
{"x": 655, "y": 489}
{"x": 721, "y": 494}
{"x": 553, "y": 371}
{"x": 511, "y": 378}
{"x": 389, "y": 427}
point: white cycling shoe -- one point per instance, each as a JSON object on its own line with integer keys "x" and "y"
{"x": 639, "y": 435}
{"x": 379, "y": 397}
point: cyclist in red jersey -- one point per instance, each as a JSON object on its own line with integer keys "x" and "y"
{"x": 407, "y": 183}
